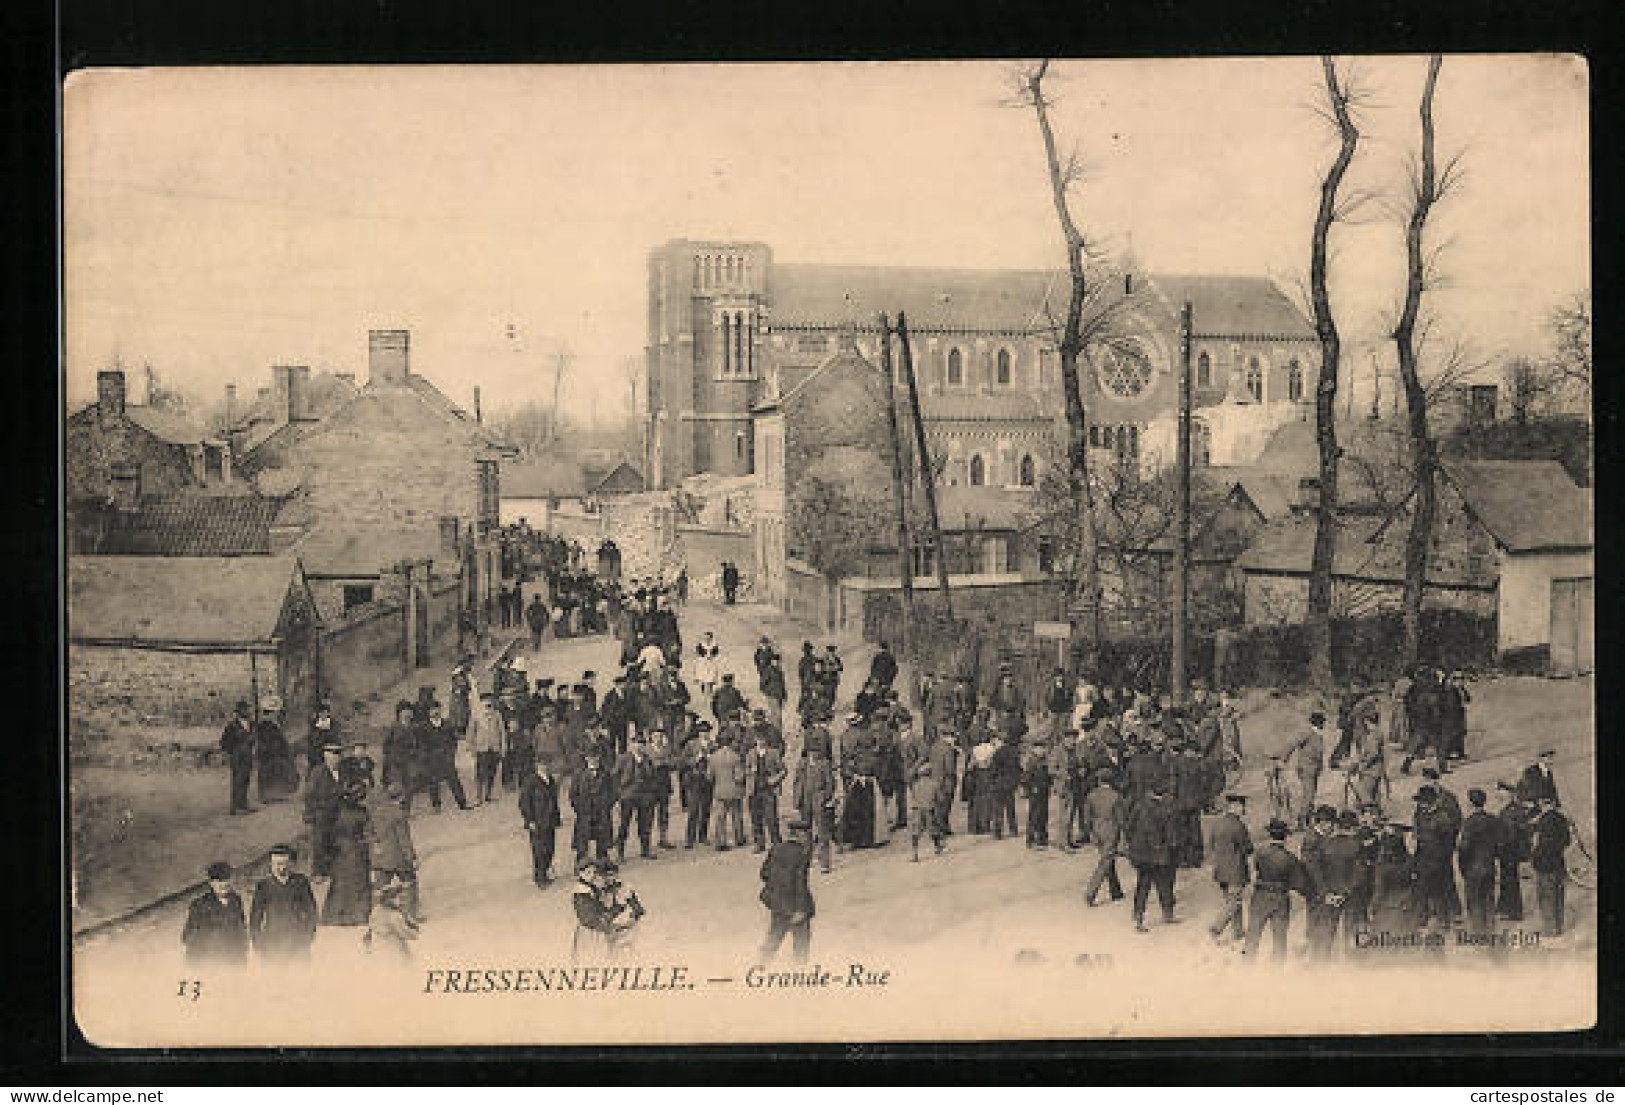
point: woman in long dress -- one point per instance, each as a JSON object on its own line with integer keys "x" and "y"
{"x": 349, "y": 898}
{"x": 279, "y": 775}
{"x": 705, "y": 665}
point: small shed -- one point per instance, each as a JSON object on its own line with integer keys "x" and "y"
{"x": 181, "y": 639}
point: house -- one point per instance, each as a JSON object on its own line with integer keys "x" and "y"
{"x": 182, "y": 638}
{"x": 1513, "y": 543}
{"x": 195, "y": 525}
{"x": 385, "y": 476}
{"x": 118, "y": 453}
{"x": 533, "y": 490}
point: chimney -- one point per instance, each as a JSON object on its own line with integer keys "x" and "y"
{"x": 448, "y": 536}
{"x": 293, "y": 383}
{"x": 1128, "y": 283}
{"x": 477, "y": 416}
{"x": 110, "y": 396}
{"x": 388, "y": 356}
{"x": 231, "y": 407}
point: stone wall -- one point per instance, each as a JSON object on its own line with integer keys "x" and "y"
{"x": 874, "y": 608}
{"x": 1284, "y": 599}
{"x": 117, "y": 686}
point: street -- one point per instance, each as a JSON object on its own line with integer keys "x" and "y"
{"x": 943, "y": 928}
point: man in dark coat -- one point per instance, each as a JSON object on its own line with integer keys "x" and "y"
{"x": 437, "y": 748}
{"x": 237, "y": 742}
{"x": 399, "y": 747}
{"x": 1435, "y": 858}
{"x": 321, "y": 731}
{"x": 730, "y": 582}
{"x": 637, "y": 784}
{"x": 883, "y": 668}
{"x": 1277, "y": 874}
{"x": 1516, "y": 820}
{"x": 282, "y": 919}
{"x": 539, "y": 810}
{"x": 1551, "y": 838}
{"x": 1338, "y": 881}
{"x": 787, "y": 895}
{"x": 592, "y": 796}
{"x": 1538, "y": 782}
{"x": 1150, "y": 839}
{"x": 322, "y": 806}
{"x": 1232, "y": 848}
{"x": 536, "y": 619}
{"x": 726, "y": 700}
{"x": 1482, "y": 838}
{"x": 216, "y": 932}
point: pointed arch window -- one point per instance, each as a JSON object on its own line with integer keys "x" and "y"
{"x": 978, "y": 471}
{"x": 1204, "y": 371}
{"x": 1294, "y": 381}
{"x": 956, "y": 368}
{"x": 1027, "y": 474}
{"x": 1255, "y": 380}
{"x": 1003, "y": 373}
{"x": 1201, "y": 444}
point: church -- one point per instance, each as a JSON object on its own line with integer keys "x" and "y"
{"x": 730, "y": 330}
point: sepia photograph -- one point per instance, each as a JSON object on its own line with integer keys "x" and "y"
{"x": 829, "y": 552}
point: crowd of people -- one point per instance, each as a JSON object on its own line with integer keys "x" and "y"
{"x": 1114, "y": 769}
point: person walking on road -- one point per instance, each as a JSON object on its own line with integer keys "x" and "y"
{"x": 237, "y": 742}
{"x": 539, "y": 810}
{"x": 216, "y": 932}
{"x": 788, "y": 896}
{"x": 282, "y": 918}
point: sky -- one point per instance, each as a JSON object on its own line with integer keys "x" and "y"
{"x": 219, "y": 221}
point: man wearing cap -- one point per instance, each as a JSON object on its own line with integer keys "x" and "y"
{"x": 1277, "y": 873}
{"x": 216, "y": 932}
{"x": 787, "y": 895}
{"x": 770, "y": 680}
{"x": 1435, "y": 859}
{"x": 539, "y": 811}
{"x": 1232, "y": 849}
{"x": 1517, "y": 819}
{"x": 1307, "y": 754}
{"x": 536, "y": 618}
{"x": 282, "y": 919}
{"x": 485, "y": 739}
{"x": 1482, "y": 838}
{"x": 322, "y": 792}
{"x": 237, "y": 742}
{"x": 1551, "y": 836}
{"x": 1150, "y": 838}
{"x": 694, "y": 786}
{"x": 918, "y": 752}
{"x": 1336, "y": 881}
{"x": 726, "y": 700}
{"x": 761, "y": 725}
{"x": 944, "y": 777}
{"x": 725, "y": 769}
{"x": 321, "y": 728}
{"x": 764, "y": 774}
{"x": 1537, "y": 780}
{"x": 636, "y": 784}
{"x": 399, "y": 744}
{"x": 438, "y": 742}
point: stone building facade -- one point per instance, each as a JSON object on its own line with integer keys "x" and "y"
{"x": 730, "y": 329}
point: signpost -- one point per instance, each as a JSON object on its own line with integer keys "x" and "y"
{"x": 1059, "y": 632}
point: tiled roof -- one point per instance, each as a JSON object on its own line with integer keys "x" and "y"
{"x": 1001, "y": 405}
{"x": 168, "y": 426}
{"x": 1526, "y": 505}
{"x": 1234, "y": 306}
{"x": 177, "y": 600}
{"x": 195, "y": 525}
{"x": 1009, "y": 300}
{"x": 338, "y": 552}
{"x": 1367, "y": 549}
{"x": 544, "y": 479}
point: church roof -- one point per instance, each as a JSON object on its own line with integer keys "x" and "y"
{"x": 1010, "y": 299}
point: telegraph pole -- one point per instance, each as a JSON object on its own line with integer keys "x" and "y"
{"x": 899, "y": 482}
{"x": 1182, "y": 532}
{"x": 928, "y": 478}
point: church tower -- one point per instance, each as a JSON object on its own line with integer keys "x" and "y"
{"x": 705, "y": 359}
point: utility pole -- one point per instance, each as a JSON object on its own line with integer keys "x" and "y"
{"x": 928, "y": 478}
{"x": 899, "y": 481}
{"x": 1182, "y": 532}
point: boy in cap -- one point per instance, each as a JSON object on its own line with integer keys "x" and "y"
{"x": 1307, "y": 755}
{"x": 216, "y": 932}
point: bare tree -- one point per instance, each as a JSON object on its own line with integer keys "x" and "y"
{"x": 1084, "y": 604}
{"x": 1337, "y": 109}
{"x": 1570, "y": 362}
{"x": 1429, "y": 184}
